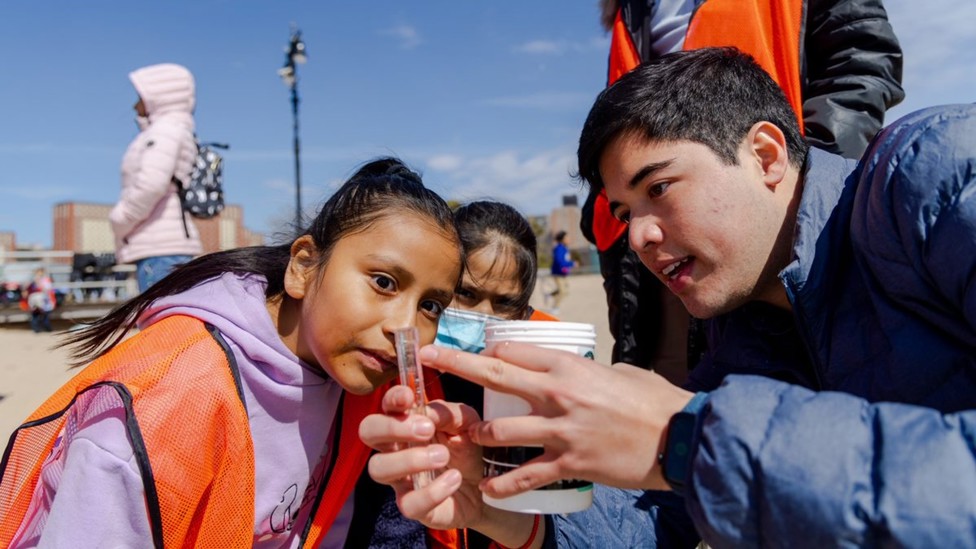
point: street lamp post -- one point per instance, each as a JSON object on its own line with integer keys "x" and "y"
{"x": 295, "y": 54}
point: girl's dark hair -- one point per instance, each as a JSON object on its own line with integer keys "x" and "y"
{"x": 376, "y": 190}
{"x": 486, "y": 223}
{"x": 711, "y": 96}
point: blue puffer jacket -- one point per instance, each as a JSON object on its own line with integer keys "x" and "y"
{"x": 883, "y": 288}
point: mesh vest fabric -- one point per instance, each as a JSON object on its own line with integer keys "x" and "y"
{"x": 188, "y": 428}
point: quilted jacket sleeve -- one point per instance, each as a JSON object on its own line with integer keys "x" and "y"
{"x": 626, "y": 518}
{"x": 151, "y": 180}
{"x": 780, "y": 466}
{"x": 917, "y": 189}
{"x": 853, "y": 66}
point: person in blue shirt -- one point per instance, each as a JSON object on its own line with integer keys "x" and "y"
{"x": 562, "y": 265}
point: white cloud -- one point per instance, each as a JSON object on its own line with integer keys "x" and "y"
{"x": 541, "y": 47}
{"x": 57, "y": 148}
{"x": 38, "y": 192}
{"x": 279, "y": 185}
{"x": 560, "y": 47}
{"x": 408, "y": 36}
{"x": 532, "y": 182}
{"x": 444, "y": 162}
{"x": 937, "y": 41}
{"x": 26, "y": 148}
{"x": 309, "y": 154}
{"x": 550, "y": 101}
{"x": 599, "y": 43}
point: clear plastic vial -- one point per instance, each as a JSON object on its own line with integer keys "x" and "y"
{"x": 407, "y": 341}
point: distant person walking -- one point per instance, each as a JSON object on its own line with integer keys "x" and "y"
{"x": 148, "y": 222}
{"x": 41, "y": 301}
{"x": 562, "y": 264}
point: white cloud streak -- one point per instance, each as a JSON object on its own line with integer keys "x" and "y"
{"x": 548, "y": 101}
{"x": 561, "y": 47}
{"x": 532, "y": 182}
{"x": 408, "y": 36}
{"x": 56, "y": 148}
{"x": 937, "y": 40}
{"x": 37, "y": 193}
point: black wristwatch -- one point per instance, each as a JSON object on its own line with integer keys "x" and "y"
{"x": 676, "y": 460}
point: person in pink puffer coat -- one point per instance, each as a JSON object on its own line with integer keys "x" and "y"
{"x": 148, "y": 222}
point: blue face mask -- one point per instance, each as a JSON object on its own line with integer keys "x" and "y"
{"x": 462, "y": 330}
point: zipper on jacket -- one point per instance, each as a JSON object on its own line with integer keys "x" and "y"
{"x": 802, "y": 327}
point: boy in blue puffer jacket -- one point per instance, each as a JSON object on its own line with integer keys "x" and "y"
{"x": 857, "y": 279}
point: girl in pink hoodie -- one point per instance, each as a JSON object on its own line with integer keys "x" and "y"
{"x": 148, "y": 221}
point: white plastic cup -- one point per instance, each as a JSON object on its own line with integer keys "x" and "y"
{"x": 565, "y": 496}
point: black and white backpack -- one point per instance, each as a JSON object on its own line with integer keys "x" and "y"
{"x": 203, "y": 196}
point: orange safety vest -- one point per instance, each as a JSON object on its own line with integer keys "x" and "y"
{"x": 198, "y": 494}
{"x": 769, "y": 31}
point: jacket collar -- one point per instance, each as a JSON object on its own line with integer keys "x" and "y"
{"x": 821, "y": 247}
{"x": 822, "y": 221}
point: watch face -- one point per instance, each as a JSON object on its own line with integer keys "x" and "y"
{"x": 676, "y": 462}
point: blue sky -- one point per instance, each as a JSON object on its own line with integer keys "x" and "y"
{"x": 485, "y": 99}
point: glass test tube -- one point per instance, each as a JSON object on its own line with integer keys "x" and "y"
{"x": 412, "y": 375}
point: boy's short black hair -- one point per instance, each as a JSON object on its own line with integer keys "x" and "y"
{"x": 711, "y": 96}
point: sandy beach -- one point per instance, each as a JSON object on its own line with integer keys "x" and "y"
{"x": 33, "y": 365}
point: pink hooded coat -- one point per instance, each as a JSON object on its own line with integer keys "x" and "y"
{"x": 147, "y": 220}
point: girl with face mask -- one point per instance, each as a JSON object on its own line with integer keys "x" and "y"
{"x": 497, "y": 283}
{"x": 499, "y": 277}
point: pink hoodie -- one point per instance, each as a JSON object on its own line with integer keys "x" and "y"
{"x": 147, "y": 220}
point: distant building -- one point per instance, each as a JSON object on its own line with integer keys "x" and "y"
{"x": 226, "y": 231}
{"x": 84, "y": 228}
{"x": 567, "y": 218}
{"x": 8, "y": 241}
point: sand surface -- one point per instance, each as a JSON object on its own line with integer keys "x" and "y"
{"x": 32, "y": 366}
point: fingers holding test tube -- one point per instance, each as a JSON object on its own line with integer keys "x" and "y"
{"x": 596, "y": 423}
{"x": 410, "y": 444}
{"x": 425, "y": 453}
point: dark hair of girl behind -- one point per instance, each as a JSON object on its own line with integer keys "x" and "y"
{"x": 486, "y": 223}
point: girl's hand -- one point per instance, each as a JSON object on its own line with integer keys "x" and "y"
{"x": 439, "y": 441}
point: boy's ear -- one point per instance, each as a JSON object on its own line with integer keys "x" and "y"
{"x": 768, "y": 144}
{"x": 301, "y": 267}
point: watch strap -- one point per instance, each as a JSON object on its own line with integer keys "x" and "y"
{"x": 696, "y": 403}
{"x": 675, "y": 461}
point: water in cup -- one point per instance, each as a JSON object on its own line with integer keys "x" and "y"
{"x": 563, "y": 496}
